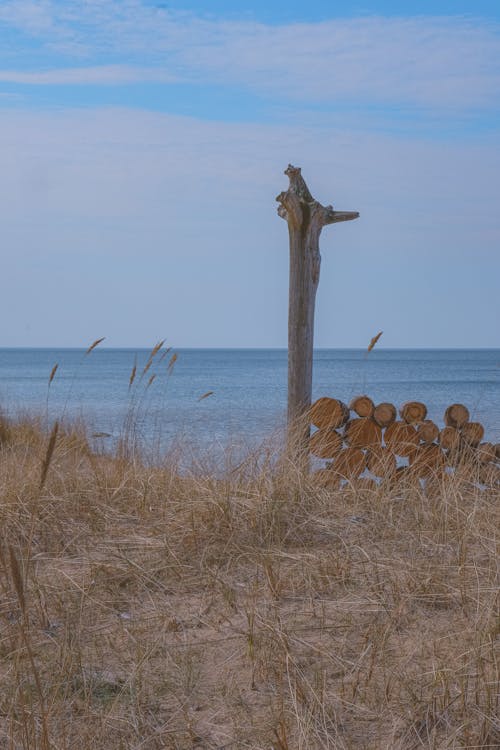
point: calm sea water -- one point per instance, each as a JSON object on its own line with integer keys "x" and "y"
{"x": 249, "y": 387}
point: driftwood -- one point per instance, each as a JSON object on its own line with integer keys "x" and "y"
{"x": 305, "y": 217}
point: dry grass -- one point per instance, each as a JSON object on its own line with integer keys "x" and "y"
{"x": 145, "y": 609}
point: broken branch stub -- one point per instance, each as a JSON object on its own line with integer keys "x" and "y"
{"x": 305, "y": 217}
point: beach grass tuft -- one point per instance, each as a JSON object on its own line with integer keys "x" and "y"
{"x": 156, "y": 606}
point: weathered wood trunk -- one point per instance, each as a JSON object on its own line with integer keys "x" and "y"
{"x": 305, "y": 261}
{"x": 306, "y": 218}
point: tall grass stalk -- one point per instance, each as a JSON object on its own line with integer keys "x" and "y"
{"x": 149, "y": 606}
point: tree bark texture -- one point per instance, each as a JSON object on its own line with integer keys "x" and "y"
{"x": 306, "y": 217}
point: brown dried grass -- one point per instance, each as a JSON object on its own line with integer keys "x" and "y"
{"x": 253, "y": 610}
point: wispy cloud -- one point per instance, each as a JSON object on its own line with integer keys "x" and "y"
{"x": 97, "y": 75}
{"x": 429, "y": 62}
{"x": 180, "y": 216}
{"x": 32, "y": 16}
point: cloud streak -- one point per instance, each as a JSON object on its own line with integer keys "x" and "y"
{"x": 101, "y": 208}
{"x": 101, "y": 75}
{"x": 416, "y": 61}
{"x": 441, "y": 63}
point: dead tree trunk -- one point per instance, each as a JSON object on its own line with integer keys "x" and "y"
{"x": 306, "y": 218}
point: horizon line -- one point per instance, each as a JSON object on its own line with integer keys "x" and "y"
{"x": 258, "y": 348}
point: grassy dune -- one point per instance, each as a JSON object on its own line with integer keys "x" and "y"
{"x": 142, "y": 607}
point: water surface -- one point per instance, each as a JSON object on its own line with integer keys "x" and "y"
{"x": 249, "y": 387}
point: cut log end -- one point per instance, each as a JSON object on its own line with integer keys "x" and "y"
{"x": 486, "y": 453}
{"x": 362, "y": 433}
{"x": 456, "y": 415}
{"x": 427, "y": 461}
{"x": 384, "y": 414}
{"x": 362, "y": 405}
{"x": 349, "y": 463}
{"x": 325, "y": 443}
{"x": 413, "y": 412}
{"x": 428, "y": 431}
{"x": 472, "y": 433}
{"x": 381, "y": 461}
{"x": 449, "y": 438}
{"x": 329, "y": 413}
{"x": 401, "y": 438}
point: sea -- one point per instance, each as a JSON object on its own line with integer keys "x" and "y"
{"x": 221, "y": 398}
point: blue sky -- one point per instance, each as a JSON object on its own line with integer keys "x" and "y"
{"x": 143, "y": 144}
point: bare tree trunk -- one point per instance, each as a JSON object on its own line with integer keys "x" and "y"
{"x": 306, "y": 218}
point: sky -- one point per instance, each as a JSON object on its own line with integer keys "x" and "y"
{"x": 143, "y": 143}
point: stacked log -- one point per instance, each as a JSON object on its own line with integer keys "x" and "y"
{"x": 486, "y": 453}
{"x": 325, "y": 443}
{"x": 374, "y": 441}
{"x": 384, "y": 414}
{"x": 329, "y": 413}
{"x": 456, "y": 415}
{"x": 489, "y": 474}
{"x": 403, "y": 476}
{"x": 449, "y": 438}
{"x": 362, "y": 433}
{"x": 349, "y": 463}
{"x": 428, "y": 431}
{"x": 381, "y": 461}
{"x": 402, "y": 438}
{"x": 362, "y": 405}
{"x": 472, "y": 433}
{"x": 427, "y": 461}
{"x": 413, "y": 412}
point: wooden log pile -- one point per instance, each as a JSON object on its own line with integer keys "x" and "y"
{"x": 385, "y": 444}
